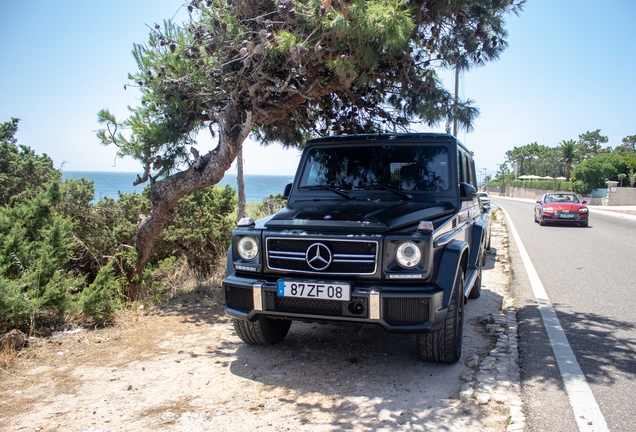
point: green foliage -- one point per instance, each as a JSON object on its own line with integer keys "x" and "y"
{"x": 61, "y": 253}
{"x": 632, "y": 177}
{"x": 35, "y": 246}
{"x": 201, "y": 228}
{"x": 101, "y": 298}
{"x": 590, "y": 144}
{"x": 628, "y": 146}
{"x": 22, "y": 172}
{"x": 595, "y": 162}
{"x": 14, "y": 306}
{"x": 595, "y": 171}
{"x": 543, "y": 185}
{"x": 303, "y": 70}
{"x": 271, "y": 205}
{"x": 538, "y": 159}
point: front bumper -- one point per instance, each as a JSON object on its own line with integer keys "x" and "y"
{"x": 398, "y": 309}
{"x": 555, "y": 218}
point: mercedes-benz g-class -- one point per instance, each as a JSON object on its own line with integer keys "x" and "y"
{"x": 381, "y": 229}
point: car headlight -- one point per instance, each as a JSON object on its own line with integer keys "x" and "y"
{"x": 582, "y": 210}
{"x": 408, "y": 255}
{"x": 248, "y": 248}
{"x": 548, "y": 209}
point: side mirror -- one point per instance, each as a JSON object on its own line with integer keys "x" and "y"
{"x": 538, "y": 201}
{"x": 467, "y": 192}
{"x": 287, "y": 190}
{"x": 584, "y": 202}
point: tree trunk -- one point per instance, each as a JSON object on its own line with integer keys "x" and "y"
{"x": 234, "y": 127}
{"x": 240, "y": 183}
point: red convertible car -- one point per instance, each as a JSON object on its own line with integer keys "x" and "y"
{"x": 560, "y": 208}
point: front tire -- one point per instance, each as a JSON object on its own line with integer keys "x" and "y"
{"x": 264, "y": 331}
{"x": 445, "y": 345}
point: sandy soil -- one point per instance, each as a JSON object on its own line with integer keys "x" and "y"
{"x": 180, "y": 367}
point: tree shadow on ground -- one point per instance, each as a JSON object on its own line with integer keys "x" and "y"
{"x": 349, "y": 377}
{"x": 603, "y": 346}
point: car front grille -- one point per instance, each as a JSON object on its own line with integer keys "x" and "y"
{"x": 405, "y": 311}
{"x": 329, "y": 308}
{"x": 348, "y": 256}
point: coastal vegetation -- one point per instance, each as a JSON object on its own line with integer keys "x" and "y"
{"x": 66, "y": 257}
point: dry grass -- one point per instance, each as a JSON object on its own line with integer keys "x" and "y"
{"x": 8, "y": 356}
{"x": 10, "y": 344}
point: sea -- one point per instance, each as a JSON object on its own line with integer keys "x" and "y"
{"x": 108, "y": 184}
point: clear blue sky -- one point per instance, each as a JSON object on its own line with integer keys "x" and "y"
{"x": 569, "y": 68}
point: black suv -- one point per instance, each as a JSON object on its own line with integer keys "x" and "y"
{"x": 378, "y": 229}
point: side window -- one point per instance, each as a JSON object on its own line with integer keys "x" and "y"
{"x": 466, "y": 169}
{"x": 460, "y": 166}
{"x": 471, "y": 167}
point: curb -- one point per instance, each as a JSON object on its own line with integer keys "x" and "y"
{"x": 496, "y": 381}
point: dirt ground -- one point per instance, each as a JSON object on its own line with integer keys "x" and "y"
{"x": 179, "y": 366}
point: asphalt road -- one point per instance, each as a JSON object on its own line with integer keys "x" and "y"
{"x": 589, "y": 275}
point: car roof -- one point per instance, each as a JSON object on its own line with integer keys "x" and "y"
{"x": 431, "y": 137}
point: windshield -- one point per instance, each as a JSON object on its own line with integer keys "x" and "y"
{"x": 400, "y": 167}
{"x": 562, "y": 198}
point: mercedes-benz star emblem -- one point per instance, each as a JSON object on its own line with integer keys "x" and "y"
{"x": 318, "y": 256}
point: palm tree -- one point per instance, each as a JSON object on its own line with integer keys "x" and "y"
{"x": 567, "y": 149}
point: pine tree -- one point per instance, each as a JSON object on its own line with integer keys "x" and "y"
{"x": 288, "y": 70}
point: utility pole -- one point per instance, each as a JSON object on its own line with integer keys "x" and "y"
{"x": 456, "y": 100}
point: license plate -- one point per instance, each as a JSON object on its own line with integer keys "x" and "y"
{"x": 314, "y": 290}
{"x": 567, "y": 216}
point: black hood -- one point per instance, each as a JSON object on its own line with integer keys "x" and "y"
{"x": 367, "y": 215}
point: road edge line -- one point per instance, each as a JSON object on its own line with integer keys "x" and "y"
{"x": 587, "y": 413}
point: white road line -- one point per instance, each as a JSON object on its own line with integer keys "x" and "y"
{"x": 587, "y": 413}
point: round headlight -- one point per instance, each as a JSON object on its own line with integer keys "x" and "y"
{"x": 408, "y": 255}
{"x": 248, "y": 248}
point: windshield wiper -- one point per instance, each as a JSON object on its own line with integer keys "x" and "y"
{"x": 389, "y": 188}
{"x": 333, "y": 189}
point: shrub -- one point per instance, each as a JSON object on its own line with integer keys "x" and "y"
{"x": 22, "y": 172}
{"x": 595, "y": 171}
{"x": 101, "y": 298}
{"x": 271, "y": 205}
{"x": 200, "y": 230}
{"x": 14, "y": 307}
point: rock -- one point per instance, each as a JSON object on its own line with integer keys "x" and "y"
{"x": 14, "y": 339}
{"x": 483, "y": 398}
{"x": 473, "y": 361}
{"x": 168, "y": 417}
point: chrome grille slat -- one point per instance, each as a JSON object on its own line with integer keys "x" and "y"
{"x": 348, "y": 256}
{"x": 353, "y": 256}
{"x": 300, "y": 254}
